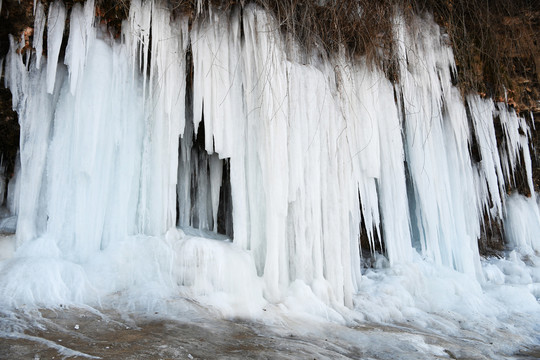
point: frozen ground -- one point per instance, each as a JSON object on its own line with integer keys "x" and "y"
{"x": 198, "y": 334}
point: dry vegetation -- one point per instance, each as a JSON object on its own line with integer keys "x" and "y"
{"x": 495, "y": 41}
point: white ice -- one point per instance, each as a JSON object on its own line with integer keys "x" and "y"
{"x": 39, "y": 28}
{"x": 322, "y": 151}
{"x": 56, "y": 21}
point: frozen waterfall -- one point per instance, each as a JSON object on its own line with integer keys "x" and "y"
{"x": 217, "y": 160}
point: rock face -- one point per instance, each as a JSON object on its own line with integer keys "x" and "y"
{"x": 9, "y": 131}
{"x": 14, "y": 18}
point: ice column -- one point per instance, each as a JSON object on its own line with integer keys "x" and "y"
{"x": 39, "y": 27}
{"x": 218, "y": 96}
{"x": 491, "y": 187}
{"x": 446, "y": 215}
{"x": 164, "y": 93}
{"x": 81, "y": 33}
{"x": 55, "y": 32}
{"x": 36, "y": 112}
{"x": 265, "y": 86}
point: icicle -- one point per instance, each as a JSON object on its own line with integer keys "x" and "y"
{"x": 3, "y": 180}
{"x": 138, "y": 35}
{"x": 15, "y": 78}
{"x": 35, "y": 110}
{"x": 76, "y": 47}
{"x": 39, "y": 27}
{"x": 89, "y": 11}
{"x": 81, "y": 33}
{"x": 266, "y": 98}
{"x": 437, "y": 139}
{"x": 216, "y": 174}
{"x": 185, "y": 173}
{"x": 216, "y": 52}
{"x": 516, "y": 138}
{"x": 55, "y": 33}
{"x": 164, "y": 94}
{"x": 218, "y": 92}
{"x": 168, "y": 67}
{"x": 482, "y": 112}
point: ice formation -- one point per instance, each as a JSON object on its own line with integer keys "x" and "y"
{"x": 293, "y": 155}
{"x": 55, "y": 32}
{"x": 39, "y": 28}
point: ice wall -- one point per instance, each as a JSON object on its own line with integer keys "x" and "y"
{"x": 321, "y": 151}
